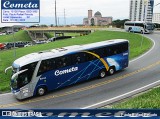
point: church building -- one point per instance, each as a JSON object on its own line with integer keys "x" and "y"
{"x": 96, "y": 20}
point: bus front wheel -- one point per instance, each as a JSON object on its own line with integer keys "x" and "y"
{"x": 142, "y": 32}
{"x": 102, "y": 73}
{"x": 130, "y": 29}
{"x": 41, "y": 91}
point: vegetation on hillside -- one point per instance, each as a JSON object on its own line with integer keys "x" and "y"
{"x": 18, "y": 36}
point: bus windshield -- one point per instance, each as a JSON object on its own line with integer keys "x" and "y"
{"x": 150, "y": 26}
{"x": 20, "y": 80}
{"x": 22, "y": 76}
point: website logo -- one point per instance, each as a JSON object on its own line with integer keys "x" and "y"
{"x": 21, "y": 11}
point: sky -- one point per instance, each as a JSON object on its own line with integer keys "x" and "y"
{"x": 76, "y": 10}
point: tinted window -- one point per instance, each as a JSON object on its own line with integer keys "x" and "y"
{"x": 91, "y": 57}
{"x": 117, "y": 49}
{"x": 47, "y": 65}
{"x": 124, "y": 47}
{"x": 25, "y": 77}
{"x": 63, "y": 61}
{"x": 78, "y": 58}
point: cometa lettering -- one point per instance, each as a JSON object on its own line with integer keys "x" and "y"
{"x": 58, "y": 72}
{"x": 7, "y": 4}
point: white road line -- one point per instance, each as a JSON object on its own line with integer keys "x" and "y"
{"x": 117, "y": 97}
{"x": 130, "y": 61}
{"x": 5, "y": 94}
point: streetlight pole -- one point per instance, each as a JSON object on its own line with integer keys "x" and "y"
{"x": 64, "y": 18}
{"x": 14, "y": 42}
{"x": 144, "y": 19}
{"x": 55, "y": 13}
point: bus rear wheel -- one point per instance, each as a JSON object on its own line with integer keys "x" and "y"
{"x": 41, "y": 91}
{"x": 111, "y": 71}
{"x": 102, "y": 73}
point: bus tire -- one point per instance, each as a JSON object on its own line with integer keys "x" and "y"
{"x": 41, "y": 91}
{"x": 102, "y": 73}
{"x": 111, "y": 71}
{"x": 129, "y": 30}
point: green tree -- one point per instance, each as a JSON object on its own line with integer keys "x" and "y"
{"x": 92, "y": 22}
{"x": 119, "y": 23}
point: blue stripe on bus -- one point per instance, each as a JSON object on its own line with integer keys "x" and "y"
{"x": 85, "y": 71}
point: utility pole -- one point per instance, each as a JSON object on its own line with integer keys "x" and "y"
{"x": 64, "y": 18}
{"x": 14, "y": 42}
{"x": 58, "y": 21}
{"x": 55, "y": 14}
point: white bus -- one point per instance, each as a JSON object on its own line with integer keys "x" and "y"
{"x": 40, "y": 72}
{"x": 139, "y": 27}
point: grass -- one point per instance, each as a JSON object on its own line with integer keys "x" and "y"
{"x": 7, "y": 57}
{"x": 18, "y": 36}
{"x": 49, "y": 35}
{"x": 148, "y": 100}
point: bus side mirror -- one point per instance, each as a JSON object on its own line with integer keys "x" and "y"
{"x": 16, "y": 74}
{"x": 7, "y": 69}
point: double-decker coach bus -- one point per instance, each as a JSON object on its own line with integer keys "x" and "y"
{"x": 37, "y": 73}
{"x": 139, "y": 26}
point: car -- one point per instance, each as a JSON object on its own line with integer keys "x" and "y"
{"x": 9, "y": 45}
{"x": 2, "y": 46}
{"x": 52, "y": 39}
{"x": 28, "y": 45}
{"x": 40, "y": 42}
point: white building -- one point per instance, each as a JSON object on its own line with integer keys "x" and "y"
{"x": 156, "y": 18}
{"x": 141, "y": 10}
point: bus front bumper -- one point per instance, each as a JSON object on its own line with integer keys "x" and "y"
{"x": 17, "y": 94}
{"x": 21, "y": 94}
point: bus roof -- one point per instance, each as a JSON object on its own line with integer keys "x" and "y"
{"x": 34, "y": 57}
{"x": 136, "y": 22}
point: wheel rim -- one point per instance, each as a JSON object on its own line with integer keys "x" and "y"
{"x": 103, "y": 74}
{"x": 111, "y": 71}
{"x": 41, "y": 91}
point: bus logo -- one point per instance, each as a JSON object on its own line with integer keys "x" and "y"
{"x": 66, "y": 71}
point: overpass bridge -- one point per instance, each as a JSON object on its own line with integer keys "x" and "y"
{"x": 36, "y": 32}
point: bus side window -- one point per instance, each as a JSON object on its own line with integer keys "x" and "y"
{"x": 112, "y": 50}
{"x": 78, "y": 58}
{"x": 124, "y": 47}
{"x": 46, "y": 65}
{"x": 63, "y": 61}
{"x": 101, "y": 52}
{"x": 91, "y": 56}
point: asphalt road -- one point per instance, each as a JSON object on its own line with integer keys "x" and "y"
{"x": 142, "y": 74}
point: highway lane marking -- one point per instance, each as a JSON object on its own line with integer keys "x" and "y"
{"x": 125, "y": 94}
{"x": 81, "y": 89}
{"x": 5, "y": 94}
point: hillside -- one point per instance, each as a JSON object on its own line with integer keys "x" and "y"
{"x": 18, "y": 36}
